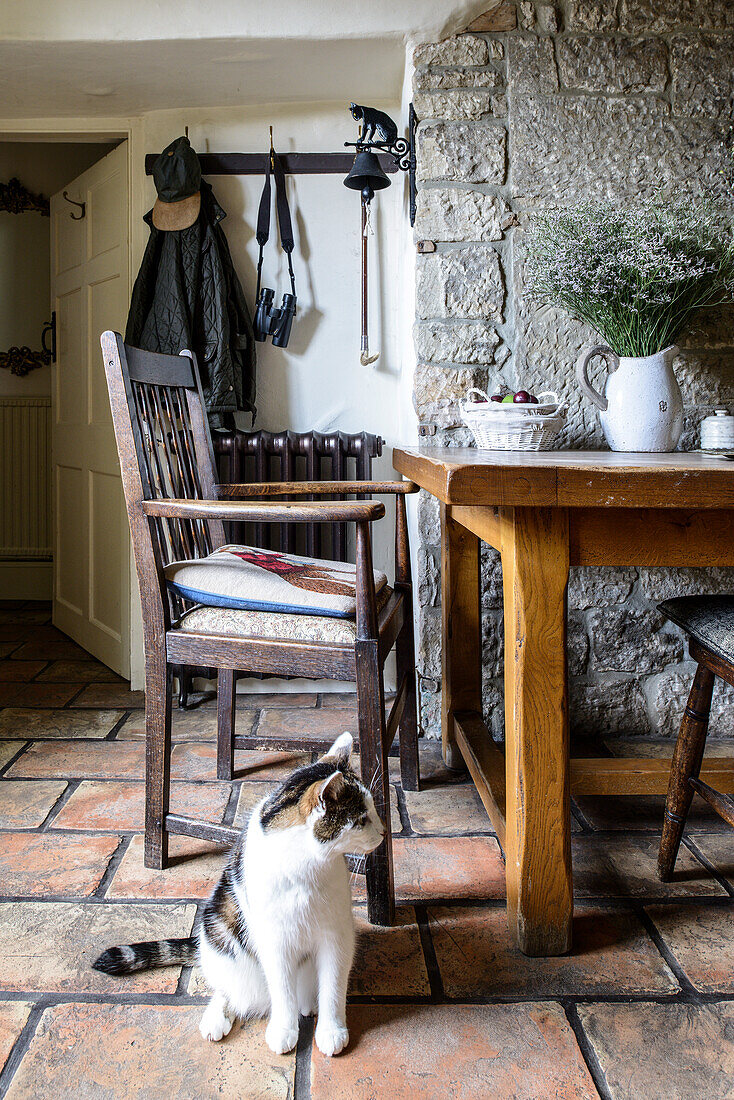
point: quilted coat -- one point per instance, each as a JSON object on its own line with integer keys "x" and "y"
{"x": 187, "y": 295}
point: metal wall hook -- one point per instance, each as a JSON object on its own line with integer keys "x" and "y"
{"x": 82, "y": 206}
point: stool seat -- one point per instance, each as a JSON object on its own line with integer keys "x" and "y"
{"x": 708, "y": 619}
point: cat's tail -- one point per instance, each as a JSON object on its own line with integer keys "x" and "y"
{"x": 145, "y": 956}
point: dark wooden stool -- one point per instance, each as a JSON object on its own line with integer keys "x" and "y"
{"x": 709, "y": 623}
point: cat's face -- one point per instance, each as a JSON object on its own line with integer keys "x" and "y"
{"x": 329, "y": 801}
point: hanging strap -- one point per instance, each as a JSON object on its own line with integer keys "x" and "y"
{"x": 284, "y": 218}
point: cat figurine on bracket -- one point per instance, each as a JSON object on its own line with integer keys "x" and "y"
{"x": 374, "y": 122}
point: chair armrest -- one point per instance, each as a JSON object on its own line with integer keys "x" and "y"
{"x": 282, "y": 511}
{"x": 318, "y": 488}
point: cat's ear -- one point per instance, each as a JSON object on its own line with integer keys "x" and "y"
{"x": 341, "y": 750}
{"x": 330, "y": 789}
{"x": 319, "y": 795}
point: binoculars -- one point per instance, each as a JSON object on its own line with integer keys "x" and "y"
{"x": 271, "y": 321}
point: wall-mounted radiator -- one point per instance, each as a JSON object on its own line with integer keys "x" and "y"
{"x": 295, "y": 456}
{"x": 25, "y": 479}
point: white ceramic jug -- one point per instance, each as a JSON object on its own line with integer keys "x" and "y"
{"x": 641, "y": 408}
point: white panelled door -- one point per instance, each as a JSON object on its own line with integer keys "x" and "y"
{"x": 90, "y": 293}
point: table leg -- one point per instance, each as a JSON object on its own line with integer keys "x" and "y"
{"x": 461, "y": 631}
{"x": 538, "y": 847}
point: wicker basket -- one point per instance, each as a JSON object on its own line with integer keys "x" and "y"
{"x": 504, "y": 427}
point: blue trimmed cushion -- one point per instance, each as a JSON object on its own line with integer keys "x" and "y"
{"x": 708, "y": 619}
{"x": 246, "y": 578}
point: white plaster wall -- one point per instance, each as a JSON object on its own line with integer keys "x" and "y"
{"x": 318, "y": 381}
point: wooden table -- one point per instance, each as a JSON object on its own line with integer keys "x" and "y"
{"x": 545, "y": 512}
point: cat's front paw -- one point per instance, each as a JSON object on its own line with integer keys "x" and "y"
{"x": 214, "y": 1025}
{"x": 331, "y": 1039}
{"x": 280, "y": 1039}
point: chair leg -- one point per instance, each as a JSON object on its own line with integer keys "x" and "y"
{"x": 686, "y": 763}
{"x": 226, "y": 701}
{"x": 373, "y": 757}
{"x": 158, "y": 701}
{"x": 184, "y": 686}
{"x": 408, "y": 729}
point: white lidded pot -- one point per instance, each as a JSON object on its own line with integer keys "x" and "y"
{"x": 641, "y": 408}
{"x": 717, "y": 432}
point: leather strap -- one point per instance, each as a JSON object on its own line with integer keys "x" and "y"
{"x": 284, "y": 218}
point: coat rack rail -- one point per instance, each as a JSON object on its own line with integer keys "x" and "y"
{"x": 295, "y": 164}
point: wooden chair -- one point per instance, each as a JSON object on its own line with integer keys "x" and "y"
{"x": 176, "y": 512}
{"x": 709, "y": 623}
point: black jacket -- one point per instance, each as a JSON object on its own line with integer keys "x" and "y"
{"x": 187, "y": 295}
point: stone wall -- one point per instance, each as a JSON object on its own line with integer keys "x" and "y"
{"x": 594, "y": 98}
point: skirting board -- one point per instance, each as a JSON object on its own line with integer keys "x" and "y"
{"x": 26, "y": 580}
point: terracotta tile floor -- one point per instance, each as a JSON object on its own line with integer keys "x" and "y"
{"x": 441, "y": 1005}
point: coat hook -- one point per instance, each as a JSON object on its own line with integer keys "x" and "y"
{"x": 186, "y": 131}
{"x": 272, "y": 150}
{"x": 82, "y": 206}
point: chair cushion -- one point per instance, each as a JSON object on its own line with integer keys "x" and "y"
{"x": 277, "y": 625}
{"x": 247, "y": 578}
{"x": 708, "y": 619}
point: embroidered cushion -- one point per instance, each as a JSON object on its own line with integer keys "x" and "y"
{"x": 274, "y": 625}
{"x": 250, "y": 579}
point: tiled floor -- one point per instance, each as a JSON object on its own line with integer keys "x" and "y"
{"x": 442, "y": 1005}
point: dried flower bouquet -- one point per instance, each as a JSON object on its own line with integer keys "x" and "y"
{"x": 636, "y": 274}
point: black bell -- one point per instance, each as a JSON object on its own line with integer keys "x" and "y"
{"x": 366, "y": 175}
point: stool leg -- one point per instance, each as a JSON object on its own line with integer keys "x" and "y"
{"x": 686, "y": 763}
{"x": 184, "y": 686}
{"x": 408, "y": 728}
{"x": 405, "y": 655}
{"x": 226, "y": 700}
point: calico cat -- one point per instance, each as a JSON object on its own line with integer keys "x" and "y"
{"x": 374, "y": 122}
{"x": 277, "y": 934}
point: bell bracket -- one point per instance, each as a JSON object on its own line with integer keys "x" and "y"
{"x": 403, "y": 153}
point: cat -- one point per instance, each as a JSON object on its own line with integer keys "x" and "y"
{"x": 374, "y": 121}
{"x": 277, "y": 934}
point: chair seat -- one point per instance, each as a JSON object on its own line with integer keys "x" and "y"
{"x": 708, "y": 619}
{"x": 247, "y": 578}
{"x": 274, "y": 625}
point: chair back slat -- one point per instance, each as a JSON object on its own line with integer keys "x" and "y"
{"x": 165, "y": 451}
{"x": 156, "y": 369}
{"x": 166, "y": 479}
{"x": 168, "y": 538}
{"x": 181, "y": 461}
